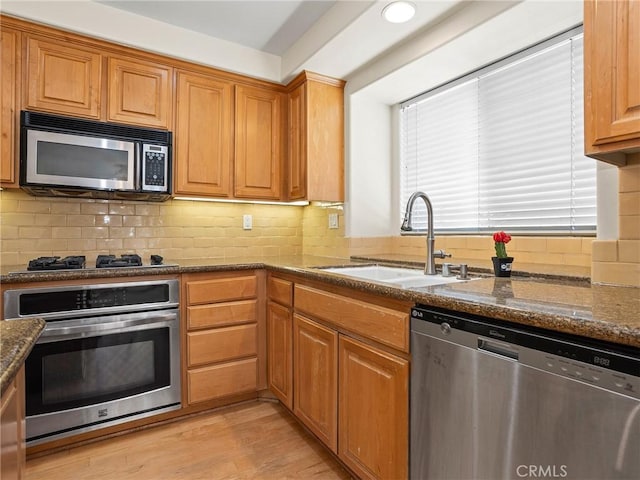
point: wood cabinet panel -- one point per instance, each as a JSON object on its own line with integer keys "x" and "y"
{"x": 221, "y": 314}
{"x": 9, "y": 86}
{"x": 258, "y": 144}
{"x": 220, "y": 344}
{"x": 373, "y": 385}
{"x": 204, "y": 135}
{"x": 612, "y": 78}
{"x": 384, "y": 325}
{"x": 316, "y": 138}
{"x": 315, "y": 383}
{"x": 280, "y": 352}
{"x": 221, "y": 289}
{"x": 280, "y": 291}
{"x": 221, "y": 380}
{"x": 63, "y": 78}
{"x": 12, "y": 434}
{"x": 297, "y": 155}
{"x": 140, "y": 93}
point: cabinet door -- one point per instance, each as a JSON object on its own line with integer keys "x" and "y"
{"x": 315, "y": 382}
{"x": 140, "y": 93}
{"x": 325, "y": 139}
{"x": 259, "y": 135}
{"x": 9, "y": 81}
{"x": 63, "y": 78}
{"x": 297, "y": 159}
{"x": 204, "y": 136}
{"x": 315, "y": 161}
{"x": 373, "y": 405}
{"x": 612, "y": 76}
{"x": 279, "y": 352}
{"x": 12, "y": 447}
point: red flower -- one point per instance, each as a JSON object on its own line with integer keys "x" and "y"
{"x": 501, "y": 237}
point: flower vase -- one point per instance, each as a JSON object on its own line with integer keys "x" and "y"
{"x": 502, "y": 266}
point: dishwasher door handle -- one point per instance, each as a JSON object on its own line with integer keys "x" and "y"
{"x": 497, "y": 348}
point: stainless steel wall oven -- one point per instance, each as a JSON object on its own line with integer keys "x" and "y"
{"x": 109, "y": 353}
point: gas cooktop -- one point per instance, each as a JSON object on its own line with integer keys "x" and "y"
{"x": 75, "y": 262}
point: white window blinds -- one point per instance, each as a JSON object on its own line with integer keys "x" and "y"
{"x": 502, "y": 148}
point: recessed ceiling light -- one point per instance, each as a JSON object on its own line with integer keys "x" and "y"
{"x": 399, "y": 12}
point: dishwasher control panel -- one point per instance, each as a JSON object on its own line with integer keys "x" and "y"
{"x": 602, "y": 364}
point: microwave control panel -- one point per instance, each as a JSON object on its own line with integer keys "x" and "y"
{"x": 154, "y": 168}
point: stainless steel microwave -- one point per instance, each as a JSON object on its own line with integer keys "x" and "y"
{"x": 64, "y": 156}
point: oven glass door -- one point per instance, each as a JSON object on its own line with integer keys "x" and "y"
{"x": 87, "y": 371}
{"x": 79, "y": 161}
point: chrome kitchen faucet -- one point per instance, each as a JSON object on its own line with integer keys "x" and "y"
{"x": 430, "y": 264}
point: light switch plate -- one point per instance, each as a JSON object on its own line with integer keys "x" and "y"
{"x": 333, "y": 220}
{"x": 247, "y": 222}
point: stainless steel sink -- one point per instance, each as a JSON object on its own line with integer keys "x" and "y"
{"x": 398, "y": 276}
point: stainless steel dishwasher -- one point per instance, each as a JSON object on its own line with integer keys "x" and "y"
{"x": 495, "y": 400}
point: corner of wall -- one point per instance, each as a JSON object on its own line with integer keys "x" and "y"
{"x": 617, "y": 261}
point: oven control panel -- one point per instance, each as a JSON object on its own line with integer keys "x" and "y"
{"x": 60, "y": 303}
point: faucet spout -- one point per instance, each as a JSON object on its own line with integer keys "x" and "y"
{"x": 430, "y": 264}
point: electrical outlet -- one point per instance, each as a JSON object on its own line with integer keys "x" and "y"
{"x": 333, "y": 220}
{"x": 247, "y": 222}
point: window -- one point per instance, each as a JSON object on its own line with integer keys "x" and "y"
{"x": 502, "y": 148}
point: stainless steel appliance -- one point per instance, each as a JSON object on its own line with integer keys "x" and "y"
{"x": 494, "y": 400}
{"x": 109, "y": 353}
{"x": 75, "y": 157}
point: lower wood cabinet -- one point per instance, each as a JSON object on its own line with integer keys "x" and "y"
{"x": 350, "y": 389}
{"x": 12, "y": 433}
{"x": 222, "y": 380}
{"x": 315, "y": 383}
{"x": 280, "y": 352}
{"x": 373, "y": 410}
{"x": 225, "y": 335}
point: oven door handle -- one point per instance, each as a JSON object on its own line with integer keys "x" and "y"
{"x": 86, "y": 330}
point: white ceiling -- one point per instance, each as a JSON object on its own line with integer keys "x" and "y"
{"x": 335, "y": 37}
{"x": 270, "y": 39}
{"x": 269, "y": 26}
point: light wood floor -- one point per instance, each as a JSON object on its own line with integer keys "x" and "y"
{"x": 257, "y": 440}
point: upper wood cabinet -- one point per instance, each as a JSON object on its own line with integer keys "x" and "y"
{"x": 140, "y": 93}
{"x": 69, "y": 79}
{"x": 315, "y": 161}
{"x": 9, "y": 91}
{"x": 63, "y": 78}
{"x": 259, "y": 136}
{"x": 612, "y": 79}
{"x": 203, "y": 140}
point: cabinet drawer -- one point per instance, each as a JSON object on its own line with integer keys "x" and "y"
{"x": 221, "y": 314}
{"x": 384, "y": 325}
{"x": 280, "y": 291}
{"x": 221, "y": 290}
{"x": 222, "y": 380}
{"x": 221, "y": 344}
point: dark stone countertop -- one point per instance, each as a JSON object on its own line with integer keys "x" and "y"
{"x": 570, "y": 305}
{"x": 17, "y": 338}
